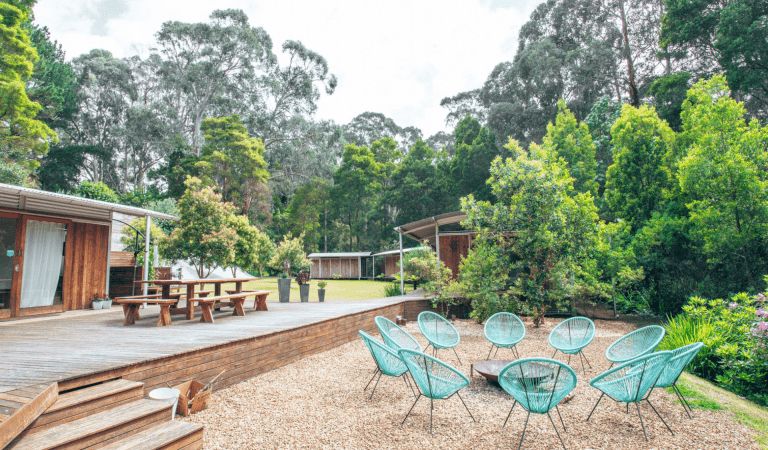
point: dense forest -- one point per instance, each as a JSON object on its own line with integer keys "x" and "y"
{"x": 607, "y": 86}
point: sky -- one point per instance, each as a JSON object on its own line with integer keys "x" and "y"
{"x": 399, "y": 57}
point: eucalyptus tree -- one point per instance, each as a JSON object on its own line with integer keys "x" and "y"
{"x": 205, "y": 60}
{"x": 368, "y": 127}
{"x": 464, "y": 104}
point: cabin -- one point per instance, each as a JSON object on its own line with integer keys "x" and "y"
{"x": 391, "y": 262}
{"x": 55, "y": 250}
{"x": 337, "y": 265}
{"x": 444, "y": 234}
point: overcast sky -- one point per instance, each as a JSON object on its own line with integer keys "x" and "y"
{"x": 398, "y": 57}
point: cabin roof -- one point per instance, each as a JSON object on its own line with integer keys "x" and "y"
{"x": 35, "y": 200}
{"x": 424, "y": 229}
{"x": 339, "y": 255}
{"x": 394, "y": 252}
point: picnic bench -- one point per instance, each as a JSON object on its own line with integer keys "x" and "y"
{"x": 132, "y": 304}
{"x": 236, "y": 300}
{"x": 259, "y": 298}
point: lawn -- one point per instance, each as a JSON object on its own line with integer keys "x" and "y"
{"x": 337, "y": 290}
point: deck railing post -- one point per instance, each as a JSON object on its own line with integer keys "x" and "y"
{"x": 146, "y": 257}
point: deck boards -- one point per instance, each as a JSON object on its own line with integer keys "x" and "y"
{"x": 75, "y": 347}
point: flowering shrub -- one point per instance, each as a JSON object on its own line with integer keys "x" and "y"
{"x": 736, "y": 352}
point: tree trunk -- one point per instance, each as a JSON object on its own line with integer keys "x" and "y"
{"x": 634, "y": 96}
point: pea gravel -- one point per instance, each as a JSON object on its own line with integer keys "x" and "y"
{"x": 319, "y": 402}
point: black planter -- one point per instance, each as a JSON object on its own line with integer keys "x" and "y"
{"x": 321, "y": 294}
{"x": 304, "y": 292}
{"x": 284, "y": 289}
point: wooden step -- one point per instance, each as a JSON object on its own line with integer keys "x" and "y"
{"x": 80, "y": 403}
{"x": 20, "y": 407}
{"x": 168, "y": 436}
{"x": 97, "y": 429}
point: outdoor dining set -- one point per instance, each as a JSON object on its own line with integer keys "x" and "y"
{"x": 537, "y": 384}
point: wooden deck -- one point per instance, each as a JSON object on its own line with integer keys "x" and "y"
{"x": 78, "y": 349}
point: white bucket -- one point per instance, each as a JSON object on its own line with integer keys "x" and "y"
{"x": 167, "y": 395}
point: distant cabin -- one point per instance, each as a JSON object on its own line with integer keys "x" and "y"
{"x": 444, "y": 234}
{"x": 349, "y": 265}
{"x": 391, "y": 262}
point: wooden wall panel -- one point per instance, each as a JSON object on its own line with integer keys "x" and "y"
{"x": 344, "y": 267}
{"x": 452, "y": 249}
{"x": 86, "y": 263}
{"x": 121, "y": 259}
{"x": 392, "y": 265}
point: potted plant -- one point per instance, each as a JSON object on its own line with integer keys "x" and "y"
{"x": 106, "y": 303}
{"x": 284, "y": 287}
{"x": 321, "y": 290}
{"x": 303, "y": 279}
{"x": 289, "y": 253}
{"x": 96, "y": 302}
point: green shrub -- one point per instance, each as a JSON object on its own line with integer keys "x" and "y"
{"x": 735, "y": 354}
{"x": 391, "y": 290}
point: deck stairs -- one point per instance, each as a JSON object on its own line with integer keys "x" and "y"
{"x": 113, "y": 415}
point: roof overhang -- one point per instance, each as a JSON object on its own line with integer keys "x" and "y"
{"x": 339, "y": 255}
{"x": 394, "y": 252}
{"x": 425, "y": 229}
{"x": 44, "y": 202}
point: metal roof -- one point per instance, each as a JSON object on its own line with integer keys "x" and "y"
{"x": 340, "y": 255}
{"x": 35, "y": 200}
{"x": 424, "y": 229}
{"x": 394, "y": 252}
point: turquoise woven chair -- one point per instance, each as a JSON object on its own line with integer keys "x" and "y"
{"x": 504, "y": 330}
{"x": 680, "y": 359}
{"x": 387, "y": 362}
{"x": 538, "y": 384}
{"x": 394, "y": 336}
{"x": 635, "y": 344}
{"x": 439, "y": 332}
{"x": 571, "y": 336}
{"x": 629, "y": 382}
{"x": 436, "y": 380}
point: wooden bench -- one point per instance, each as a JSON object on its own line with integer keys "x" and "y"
{"x": 182, "y": 294}
{"x": 235, "y": 300}
{"x": 259, "y": 298}
{"x": 132, "y": 304}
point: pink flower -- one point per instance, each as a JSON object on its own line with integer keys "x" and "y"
{"x": 733, "y": 305}
{"x": 761, "y": 313}
{"x": 762, "y": 327}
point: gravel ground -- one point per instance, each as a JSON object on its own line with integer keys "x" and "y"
{"x": 319, "y": 402}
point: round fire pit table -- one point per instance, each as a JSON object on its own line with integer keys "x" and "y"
{"x": 489, "y": 369}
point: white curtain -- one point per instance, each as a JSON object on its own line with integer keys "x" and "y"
{"x": 43, "y": 255}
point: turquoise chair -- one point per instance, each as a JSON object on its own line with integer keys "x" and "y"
{"x": 571, "y": 336}
{"x": 504, "y": 330}
{"x": 680, "y": 359}
{"x": 394, "y": 336}
{"x": 436, "y": 380}
{"x": 387, "y": 361}
{"x": 629, "y": 382}
{"x": 635, "y": 344}
{"x": 439, "y": 332}
{"x": 538, "y": 385}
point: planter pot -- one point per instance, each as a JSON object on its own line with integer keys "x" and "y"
{"x": 284, "y": 289}
{"x": 321, "y": 294}
{"x": 96, "y": 305}
{"x": 106, "y": 304}
{"x": 304, "y": 292}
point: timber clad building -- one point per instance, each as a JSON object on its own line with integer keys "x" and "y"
{"x": 337, "y": 265}
{"x": 55, "y": 250}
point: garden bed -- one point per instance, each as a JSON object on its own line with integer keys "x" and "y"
{"x": 318, "y": 402}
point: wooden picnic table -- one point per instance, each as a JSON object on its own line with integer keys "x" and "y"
{"x": 189, "y": 310}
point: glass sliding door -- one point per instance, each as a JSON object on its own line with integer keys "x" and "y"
{"x": 43, "y": 269}
{"x": 7, "y": 262}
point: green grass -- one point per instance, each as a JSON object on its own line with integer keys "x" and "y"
{"x": 337, "y": 290}
{"x": 702, "y": 394}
